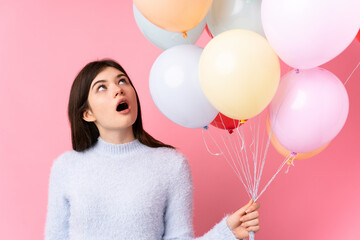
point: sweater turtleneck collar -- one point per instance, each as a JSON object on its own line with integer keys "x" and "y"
{"x": 108, "y": 148}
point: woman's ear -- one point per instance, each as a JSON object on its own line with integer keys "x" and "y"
{"x": 88, "y": 116}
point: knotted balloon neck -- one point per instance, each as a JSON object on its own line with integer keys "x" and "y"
{"x": 184, "y": 35}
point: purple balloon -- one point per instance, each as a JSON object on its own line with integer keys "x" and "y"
{"x": 309, "y": 109}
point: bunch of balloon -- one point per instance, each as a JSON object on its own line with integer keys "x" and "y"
{"x": 311, "y": 105}
{"x": 230, "y": 83}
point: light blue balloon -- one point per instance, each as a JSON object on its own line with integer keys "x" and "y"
{"x": 226, "y": 15}
{"x": 164, "y": 39}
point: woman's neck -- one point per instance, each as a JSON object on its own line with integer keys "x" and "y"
{"x": 118, "y": 136}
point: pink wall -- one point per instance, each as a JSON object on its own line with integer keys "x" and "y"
{"x": 43, "y": 44}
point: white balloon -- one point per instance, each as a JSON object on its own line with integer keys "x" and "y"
{"x": 175, "y": 87}
{"x": 162, "y": 38}
{"x": 234, "y": 14}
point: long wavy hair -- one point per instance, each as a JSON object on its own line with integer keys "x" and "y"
{"x": 85, "y": 134}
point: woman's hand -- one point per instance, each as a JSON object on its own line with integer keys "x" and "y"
{"x": 244, "y": 220}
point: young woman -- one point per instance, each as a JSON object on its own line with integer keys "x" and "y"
{"x": 119, "y": 182}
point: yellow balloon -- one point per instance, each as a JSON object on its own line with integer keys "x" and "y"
{"x": 283, "y": 151}
{"x": 239, "y": 73}
{"x": 174, "y": 15}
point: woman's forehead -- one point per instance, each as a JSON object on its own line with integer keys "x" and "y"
{"x": 108, "y": 73}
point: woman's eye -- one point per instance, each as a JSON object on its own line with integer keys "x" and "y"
{"x": 101, "y": 87}
{"x": 121, "y": 81}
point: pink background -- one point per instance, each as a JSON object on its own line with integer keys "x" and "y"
{"x": 43, "y": 44}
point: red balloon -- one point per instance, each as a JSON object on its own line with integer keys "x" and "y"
{"x": 223, "y": 122}
{"x": 357, "y": 36}
{"x": 208, "y": 31}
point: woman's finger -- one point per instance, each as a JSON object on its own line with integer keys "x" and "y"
{"x": 242, "y": 210}
{"x": 249, "y": 216}
{"x": 233, "y": 220}
{"x": 252, "y": 207}
{"x": 250, "y": 223}
{"x": 253, "y": 229}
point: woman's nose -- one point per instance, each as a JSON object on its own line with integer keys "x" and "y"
{"x": 118, "y": 90}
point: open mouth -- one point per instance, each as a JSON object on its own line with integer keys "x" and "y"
{"x": 122, "y": 106}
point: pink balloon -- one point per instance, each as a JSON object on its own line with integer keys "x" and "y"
{"x": 309, "y": 109}
{"x": 308, "y": 33}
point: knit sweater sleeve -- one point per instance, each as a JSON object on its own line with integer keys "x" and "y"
{"x": 58, "y": 212}
{"x": 178, "y": 215}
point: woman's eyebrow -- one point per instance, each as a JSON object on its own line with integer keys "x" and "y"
{"x": 120, "y": 75}
{"x": 99, "y": 81}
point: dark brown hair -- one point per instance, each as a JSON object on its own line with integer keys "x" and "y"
{"x": 84, "y": 134}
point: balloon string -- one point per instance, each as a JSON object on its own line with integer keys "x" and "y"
{"x": 222, "y": 122}
{"x": 229, "y": 152}
{"x": 206, "y": 145}
{"x": 287, "y": 170}
{"x": 246, "y": 186}
{"x": 290, "y": 162}
{"x": 263, "y": 162}
{"x": 352, "y": 73}
{"x": 256, "y": 150}
{"x": 247, "y": 167}
{"x": 234, "y": 150}
{"x": 260, "y": 158}
{"x": 241, "y": 138}
{"x": 251, "y": 235}
{"x": 237, "y": 154}
{"x": 240, "y": 159}
{"x": 273, "y": 177}
{"x": 236, "y": 171}
{"x": 254, "y": 154}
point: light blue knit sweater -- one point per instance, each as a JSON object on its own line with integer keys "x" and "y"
{"x": 123, "y": 191}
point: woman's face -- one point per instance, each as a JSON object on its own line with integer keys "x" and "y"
{"x": 112, "y": 101}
